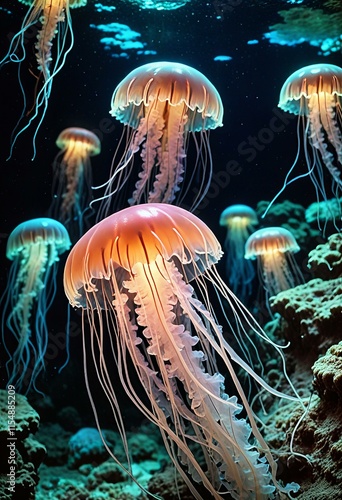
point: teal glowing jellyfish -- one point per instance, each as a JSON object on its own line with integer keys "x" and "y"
{"x": 72, "y": 178}
{"x": 130, "y": 274}
{"x": 314, "y": 93}
{"x": 49, "y": 19}
{"x": 239, "y": 221}
{"x": 273, "y": 248}
{"x": 163, "y": 106}
{"x": 34, "y": 247}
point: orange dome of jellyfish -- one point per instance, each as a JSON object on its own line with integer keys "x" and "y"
{"x": 130, "y": 274}
{"x": 273, "y": 248}
{"x": 73, "y": 176}
{"x": 161, "y": 104}
{"x": 34, "y": 247}
{"x": 314, "y": 94}
{"x": 239, "y": 221}
{"x": 53, "y": 20}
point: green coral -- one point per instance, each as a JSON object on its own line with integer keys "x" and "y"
{"x": 326, "y": 260}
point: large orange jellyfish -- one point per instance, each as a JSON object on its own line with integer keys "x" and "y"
{"x": 34, "y": 247}
{"x": 161, "y": 105}
{"x": 273, "y": 248}
{"x": 130, "y": 274}
{"x": 50, "y": 18}
{"x": 314, "y": 94}
{"x": 72, "y": 177}
{"x": 239, "y": 221}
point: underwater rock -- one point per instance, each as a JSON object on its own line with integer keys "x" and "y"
{"x": 326, "y": 259}
{"x": 318, "y": 437}
{"x": 86, "y": 447}
{"x": 23, "y": 454}
{"x": 326, "y": 213}
{"x": 310, "y": 310}
{"x": 165, "y": 482}
{"x": 327, "y": 372}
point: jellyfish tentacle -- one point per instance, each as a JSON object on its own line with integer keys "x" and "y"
{"x": 317, "y": 139}
{"x": 213, "y": 413}
{"x": 153, "y": 125}
{"x": 52, "y": 15}
{"x": 171, "y": 158}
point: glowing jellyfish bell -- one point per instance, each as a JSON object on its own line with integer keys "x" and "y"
{"x": 161, "y": 105}
{"x": 73, "y": 177}
{"x": 273, "y": 248}
{"x": 34, "y": 247}
{"x": 239, "y": 221}
{"x": 314, "y": 94}
{"x": 130, "y": 274}
{"x": 53, "y": 20}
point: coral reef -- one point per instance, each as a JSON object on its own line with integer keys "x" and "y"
{"x": 318, "y": 437}
{"x": 311, "y": 310}
{"x": 327, "y": 372}
{"x": 327, "y": 214}
{"x": 325, "y": 260}
{"x": 313, "y": 26}
{"x": 24, "y": 454}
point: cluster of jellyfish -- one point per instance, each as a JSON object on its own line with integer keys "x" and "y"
{"x": 145, "y": 275}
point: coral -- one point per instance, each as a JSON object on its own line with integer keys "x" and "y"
{"x": 319, "y": 438}
{"x": 22, "y": 454}
{"x": 327, "y": 372}
{"x": 165, "y": 482}
{"x": 108, "y": 472}
{"x": 312, "y": 309}
{"x": 291, "y": 216}
{"x": 323, "y": 212}
{"x": 26, "y": 418}
{"x": 313, "y": 26}
{"x": 86, "y": 447}
{"x": 326, "y": 260}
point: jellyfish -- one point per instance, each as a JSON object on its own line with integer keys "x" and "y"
{"x": 72, "y": 177}
{"x": 239, "y": 221}
{"x": 45, "y": 19}
{"x": 34, "y": 247}
{"x": 314, "y": 94}
{"x": 161, "y": 105}
{"x": 273, "y": 248}
{"x": 131, "y": 275}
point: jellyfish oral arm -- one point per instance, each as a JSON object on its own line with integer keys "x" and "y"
{"x": 325, "y": 121}
{"x": 53, "y": 14}
{"x": 171, "y": 158}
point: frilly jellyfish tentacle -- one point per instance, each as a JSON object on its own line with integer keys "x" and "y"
{"x": 149, "y": 133}
{"x": 171, "y": 159}
{"x": 325, "y": 122}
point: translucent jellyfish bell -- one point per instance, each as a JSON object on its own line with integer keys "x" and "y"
{"x": 239, "y": 221}
{"x": 34, "y": 247}
{"x": 273, "y": 248}
{"x": 130, "y": 275}
{"x": 73, "y": 178}
{"x": 163, "y": 105}
{"x": 314, "y": 93}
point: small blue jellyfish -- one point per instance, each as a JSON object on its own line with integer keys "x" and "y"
{"x": 34, "y": 247}
{"x": 239, "y": 221}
